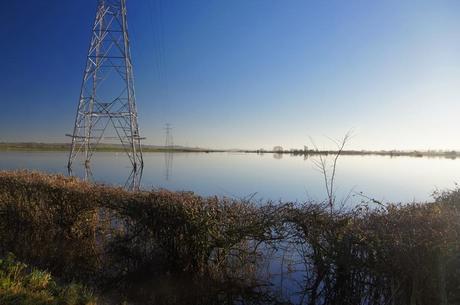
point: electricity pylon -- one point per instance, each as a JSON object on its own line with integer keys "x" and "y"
{"x": 107, "y": 106}
{"x": 169, "y": 144}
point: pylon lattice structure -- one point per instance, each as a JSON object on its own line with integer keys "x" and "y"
{"x": 107, "y": 107}
{"x": 169, "y": 143}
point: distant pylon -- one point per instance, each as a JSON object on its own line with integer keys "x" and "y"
{"x": 169, "y": 143}
{"x": 107, "y": 107}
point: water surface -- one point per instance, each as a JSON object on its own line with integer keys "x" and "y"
{"x": 261, "y": 177}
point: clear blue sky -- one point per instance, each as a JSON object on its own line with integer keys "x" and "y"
{"x": 248, "y": 73}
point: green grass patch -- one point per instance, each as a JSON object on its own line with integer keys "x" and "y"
{"x": 23, "y": 285}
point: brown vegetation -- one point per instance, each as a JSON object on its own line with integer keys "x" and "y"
{"x": 381, "y": 255}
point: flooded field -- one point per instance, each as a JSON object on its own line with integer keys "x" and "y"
{"x": 260, "y": 177}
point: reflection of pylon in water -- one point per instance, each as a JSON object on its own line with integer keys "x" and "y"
{"x": 133, "y": 182}
{"x": 169, "y": 158}
{"x": 88, "y": 174}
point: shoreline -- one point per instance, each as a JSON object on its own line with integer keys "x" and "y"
{"x": 60, "y": 147}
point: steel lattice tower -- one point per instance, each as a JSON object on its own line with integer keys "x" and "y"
{"x": 107, "y": 106}
{"x": 169, "y": 144}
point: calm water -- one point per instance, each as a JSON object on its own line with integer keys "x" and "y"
{"x": 289, "y": 178}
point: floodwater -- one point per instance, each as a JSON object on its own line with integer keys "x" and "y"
{"x": 260, "y": 177}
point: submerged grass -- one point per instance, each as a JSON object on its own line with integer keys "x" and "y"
{"x": 397, "y": 254}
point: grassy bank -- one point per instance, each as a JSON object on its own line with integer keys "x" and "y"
{"x": 102, "y": 235}
{"x": 23, "y": 285}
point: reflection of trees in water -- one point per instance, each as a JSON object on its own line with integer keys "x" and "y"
{"x": 169, "y": 159}
{"x": 83, "y": 259}
{"x": 321, "y": 264}
{"x": 187, "y": 289}
{"x": 278, "y": 155}
{"x": 93, "y": 245}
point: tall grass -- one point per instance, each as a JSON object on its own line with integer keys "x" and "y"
{"x": 398, "y": 254}
{"x": 393, "y": 255}
{"x": 22, "y": 285}
{"x": 122, "y": 231}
